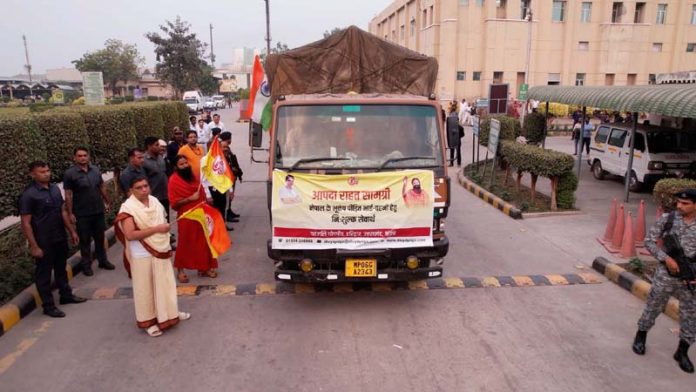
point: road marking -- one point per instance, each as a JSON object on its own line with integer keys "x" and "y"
{"x": 8, "y": 360}
{"x": 279, "y": 288}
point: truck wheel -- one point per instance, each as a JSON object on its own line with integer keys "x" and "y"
{"x": 633, "y": 184}
{"x": 597, "y": 170}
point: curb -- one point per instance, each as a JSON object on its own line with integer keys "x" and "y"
{"x": 632, "y": 283}
{"x": 503, "y": 206}
{"x": 28, "y": 299}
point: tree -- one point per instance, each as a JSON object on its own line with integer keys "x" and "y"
{"x": 279, "y": 48}
{"x": 179, "y": 56}
{"x": 207, "y": 83}
{"x": 333, "y": 31}
{"x": 118, "y": 61}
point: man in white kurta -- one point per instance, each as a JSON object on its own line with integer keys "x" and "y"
{"x": 142, "y": 227}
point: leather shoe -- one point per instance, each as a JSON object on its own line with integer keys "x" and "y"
{"x": 229, "y": 228}
{"x": 639, "y": 343}
{"x": 73, "y": 299}
{"x": 106, "y": 264}
{"x": 54, "y": 312}
{"x": 233, "y": 214}
{"x": 231, "y": 218}
{"x": 682, "y": 357}
{"x": 87, "y": 270}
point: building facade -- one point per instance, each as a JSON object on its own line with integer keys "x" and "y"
{"x": 573, "y": 42}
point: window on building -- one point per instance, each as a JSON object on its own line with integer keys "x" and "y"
{"x": 586, "y": 12}
{"x": 524, "y": 8}
{"x": 609, "y": 79}
{"x": 631, "y": 79}
{"x": 402, "y": 31}
{"x": 616, "y": 12}
{"x": 464, "y": 2}
{"x": 693, "y": 14}
{"x": 558, "y": 11}
{"x": 501, "y": 9}
{"x": 583, "y": 46}
{"x": 476, "y": 76}
{"x": 425, "y": 18}
{"x": 480, "y": 3}
{"x": 461, "y": 75}
{"x": 413, "y": 27}
{"x": 639, "y": 17}
{"x": 393, "y": 35}
{"x": 661, "y": 14}
{"x": 580, "y": 79}
{"x": 652, "y": 79}
{"x": 498, "y": 77}
{"x": 554, "y": 79}
{"x": 432, "y": 15}
{"x": 657, "y": 47}
{"x": 690, "y": 47}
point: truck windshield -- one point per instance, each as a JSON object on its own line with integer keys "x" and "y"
{"x": 671, "y": 141}
{"x": 364, "y": 136}
{"x": 190, "y": 100}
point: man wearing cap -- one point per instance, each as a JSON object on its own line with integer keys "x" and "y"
{"x": 666, "y": 282}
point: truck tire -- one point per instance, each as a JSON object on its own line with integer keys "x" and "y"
{"x": 597, "y": 170}
{"x": 633, "y": 184}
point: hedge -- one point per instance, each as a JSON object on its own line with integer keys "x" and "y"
{"x": 509, "y": 128}
{"x": 111, "y": 133}
{"x": 23, "y": 145}
{"x": 147, "y": 121}
{"x": 170, "y": 116}
{"x": 61, "y": 132}
{"x": 565, "y": 191}
{"x": 664, "y": 191}
{"x": 533, "y": 129}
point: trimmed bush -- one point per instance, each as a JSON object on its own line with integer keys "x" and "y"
{"x": 147, "y": 120}
{"x": 170, "y": 116}
{"x": 565, "y": 192}
{"x": 111, "y": 133}
{"x": 664, "y": 191}
{"x": 555, "y": 109}
{"x": 534, "y": 127}
{"x": 16, "y": 265}
{"x": 183, "y": 119}
{"x": 24, "y": 145}
{"x": 61, "y": 132}
{"x": 535, "y": 160}
{"x": 509, "y": 128}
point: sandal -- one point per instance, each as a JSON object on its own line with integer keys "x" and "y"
{"x": 209, "y": 273}
{"x": 184, "y": 316}
{"x": 182, "y": 277}
{"x": 154, "y": 331}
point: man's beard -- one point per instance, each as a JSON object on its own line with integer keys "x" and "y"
{"x": 186, "y": 174}
{"x": 417, "y": 188}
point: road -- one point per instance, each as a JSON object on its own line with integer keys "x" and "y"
{"x": 541, "y": 338}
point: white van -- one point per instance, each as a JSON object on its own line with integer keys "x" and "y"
{"x": 659, "y": 153}
{"x": 194, "y": 101}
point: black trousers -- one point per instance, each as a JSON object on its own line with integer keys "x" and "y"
{"x": 54, "y": 259}
{"x": 219, "y": 201}
{"x": 165, "y": 204}
{"x": 586, "y": 144}
{"x": 458, "y": 151}
{"x": 88, "y": 228}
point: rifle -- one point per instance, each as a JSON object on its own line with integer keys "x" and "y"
{"x": 687, "y": 266}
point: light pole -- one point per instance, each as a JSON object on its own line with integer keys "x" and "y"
{"x": 268, "y": 29}
{"x": 529, "y": 45}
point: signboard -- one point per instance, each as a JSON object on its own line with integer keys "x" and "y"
{"x": 497, "y": 98}
{"x": 522, "y": 96}
{"x": 352, "y": 211}
{"x": 93, "y": 87}
{"x": 494, "y": 136}
{"x": 57, "y": 96}
{"x": 476, "y": 124}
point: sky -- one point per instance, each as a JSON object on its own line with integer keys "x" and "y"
{"x": 61, "y": 31}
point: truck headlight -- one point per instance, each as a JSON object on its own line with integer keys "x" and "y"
{"x": 306, "y": 265}
{"x": 412, "y": 262}
{"x": 656, "y": 165}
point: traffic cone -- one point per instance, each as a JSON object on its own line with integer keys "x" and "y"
{"x": 618, "y": 230}
{"x": 639, "y": 231}
{"x": 628, "y": 245}
{"x": 609, "y": 231}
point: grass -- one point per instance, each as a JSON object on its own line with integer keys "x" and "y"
{"x": 519, "y": 198}
{"x": 644, "y": 269}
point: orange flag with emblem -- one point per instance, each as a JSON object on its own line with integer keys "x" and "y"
{"x": 215, "y": 170}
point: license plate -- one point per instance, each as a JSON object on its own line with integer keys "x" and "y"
{"x": 361, "y": 268}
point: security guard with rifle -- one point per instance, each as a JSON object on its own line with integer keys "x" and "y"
{"x": 673, "y": 243}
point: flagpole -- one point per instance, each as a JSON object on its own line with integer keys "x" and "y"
{"x": 268, "y": 29}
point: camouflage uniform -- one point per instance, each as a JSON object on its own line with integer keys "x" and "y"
{"x": 664, "y": 285}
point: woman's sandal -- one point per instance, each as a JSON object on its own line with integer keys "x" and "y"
{"x": 209, "y": 273}
{"x": 182, "y": 277}
{"x": 184, "y": 316}
{"x": 154, "y": 331}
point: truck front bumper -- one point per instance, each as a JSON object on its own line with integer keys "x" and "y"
{"x": 383, "y": 275}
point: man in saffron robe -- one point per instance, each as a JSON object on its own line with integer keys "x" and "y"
{"x": 142, "y": 228}
{"x": 186, "y": 193}
{"x": 193, "y": 153}
{"x": 415, "y": 197}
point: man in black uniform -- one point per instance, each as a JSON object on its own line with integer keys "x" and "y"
{"x": 86, "y": 200}
{"x": 44, "y": 220}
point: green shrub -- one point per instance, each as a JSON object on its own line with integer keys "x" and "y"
{"x": 129, "y": 98}
{"x": 150, "y": 98}
{"x": 40, "y": 107}
{"x": 116, "y": 100}
{"x": 535, "y": 160}
{"x": 565, "y": 192}
{"x": 23, "y": 145}
{"x": 111, "y": 133}
{"x": 16, "y": 265}
{"x": 170, "y": 116}
{"x": 534, "y": 127}
{"x": 664, "y": 191}
{"x": 509, "y": 128}
{"x": 79, "y": 101}
{"x": 148, "y": 121}
{"x": 61, "y": 132}
{"x": 555, "y": 109}
{"x": 183, "y": 119}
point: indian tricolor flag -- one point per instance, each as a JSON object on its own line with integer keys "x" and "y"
{"x": 260, "y": 106}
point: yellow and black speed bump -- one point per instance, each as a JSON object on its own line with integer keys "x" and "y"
{"x": 632, "y": 284}
{"x": 503, "y": 206}
{"x": 279, "y": 288}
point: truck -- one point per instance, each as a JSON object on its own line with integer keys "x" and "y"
{"x": 357, "y": 186}
{"x": 194, "y": 101}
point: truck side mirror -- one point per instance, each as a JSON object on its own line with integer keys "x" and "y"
{"x": 255, "y": 134}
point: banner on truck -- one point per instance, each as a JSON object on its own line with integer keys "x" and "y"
{"x": 352, "y": 211}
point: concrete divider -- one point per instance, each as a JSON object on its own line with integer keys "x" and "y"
{"x": 503, "y": 206}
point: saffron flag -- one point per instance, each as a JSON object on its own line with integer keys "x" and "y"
{"x": 215, "y": 170}
{"x": 260, "y": 106}
{"x": 213, "y": 227}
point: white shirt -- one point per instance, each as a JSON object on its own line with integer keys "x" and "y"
{"x": 212, "y": 125}
{"x": 288, "y": 196}
{"x": 203, "y": 134}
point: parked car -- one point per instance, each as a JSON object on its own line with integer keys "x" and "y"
{"x": 219, "y": 101}
{"x": 208, "y": 103}
{"x": 659, "y": 153}
{"x": 193, "y": 101}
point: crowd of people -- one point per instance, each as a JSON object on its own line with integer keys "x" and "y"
{"x": 159, "y": 176}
